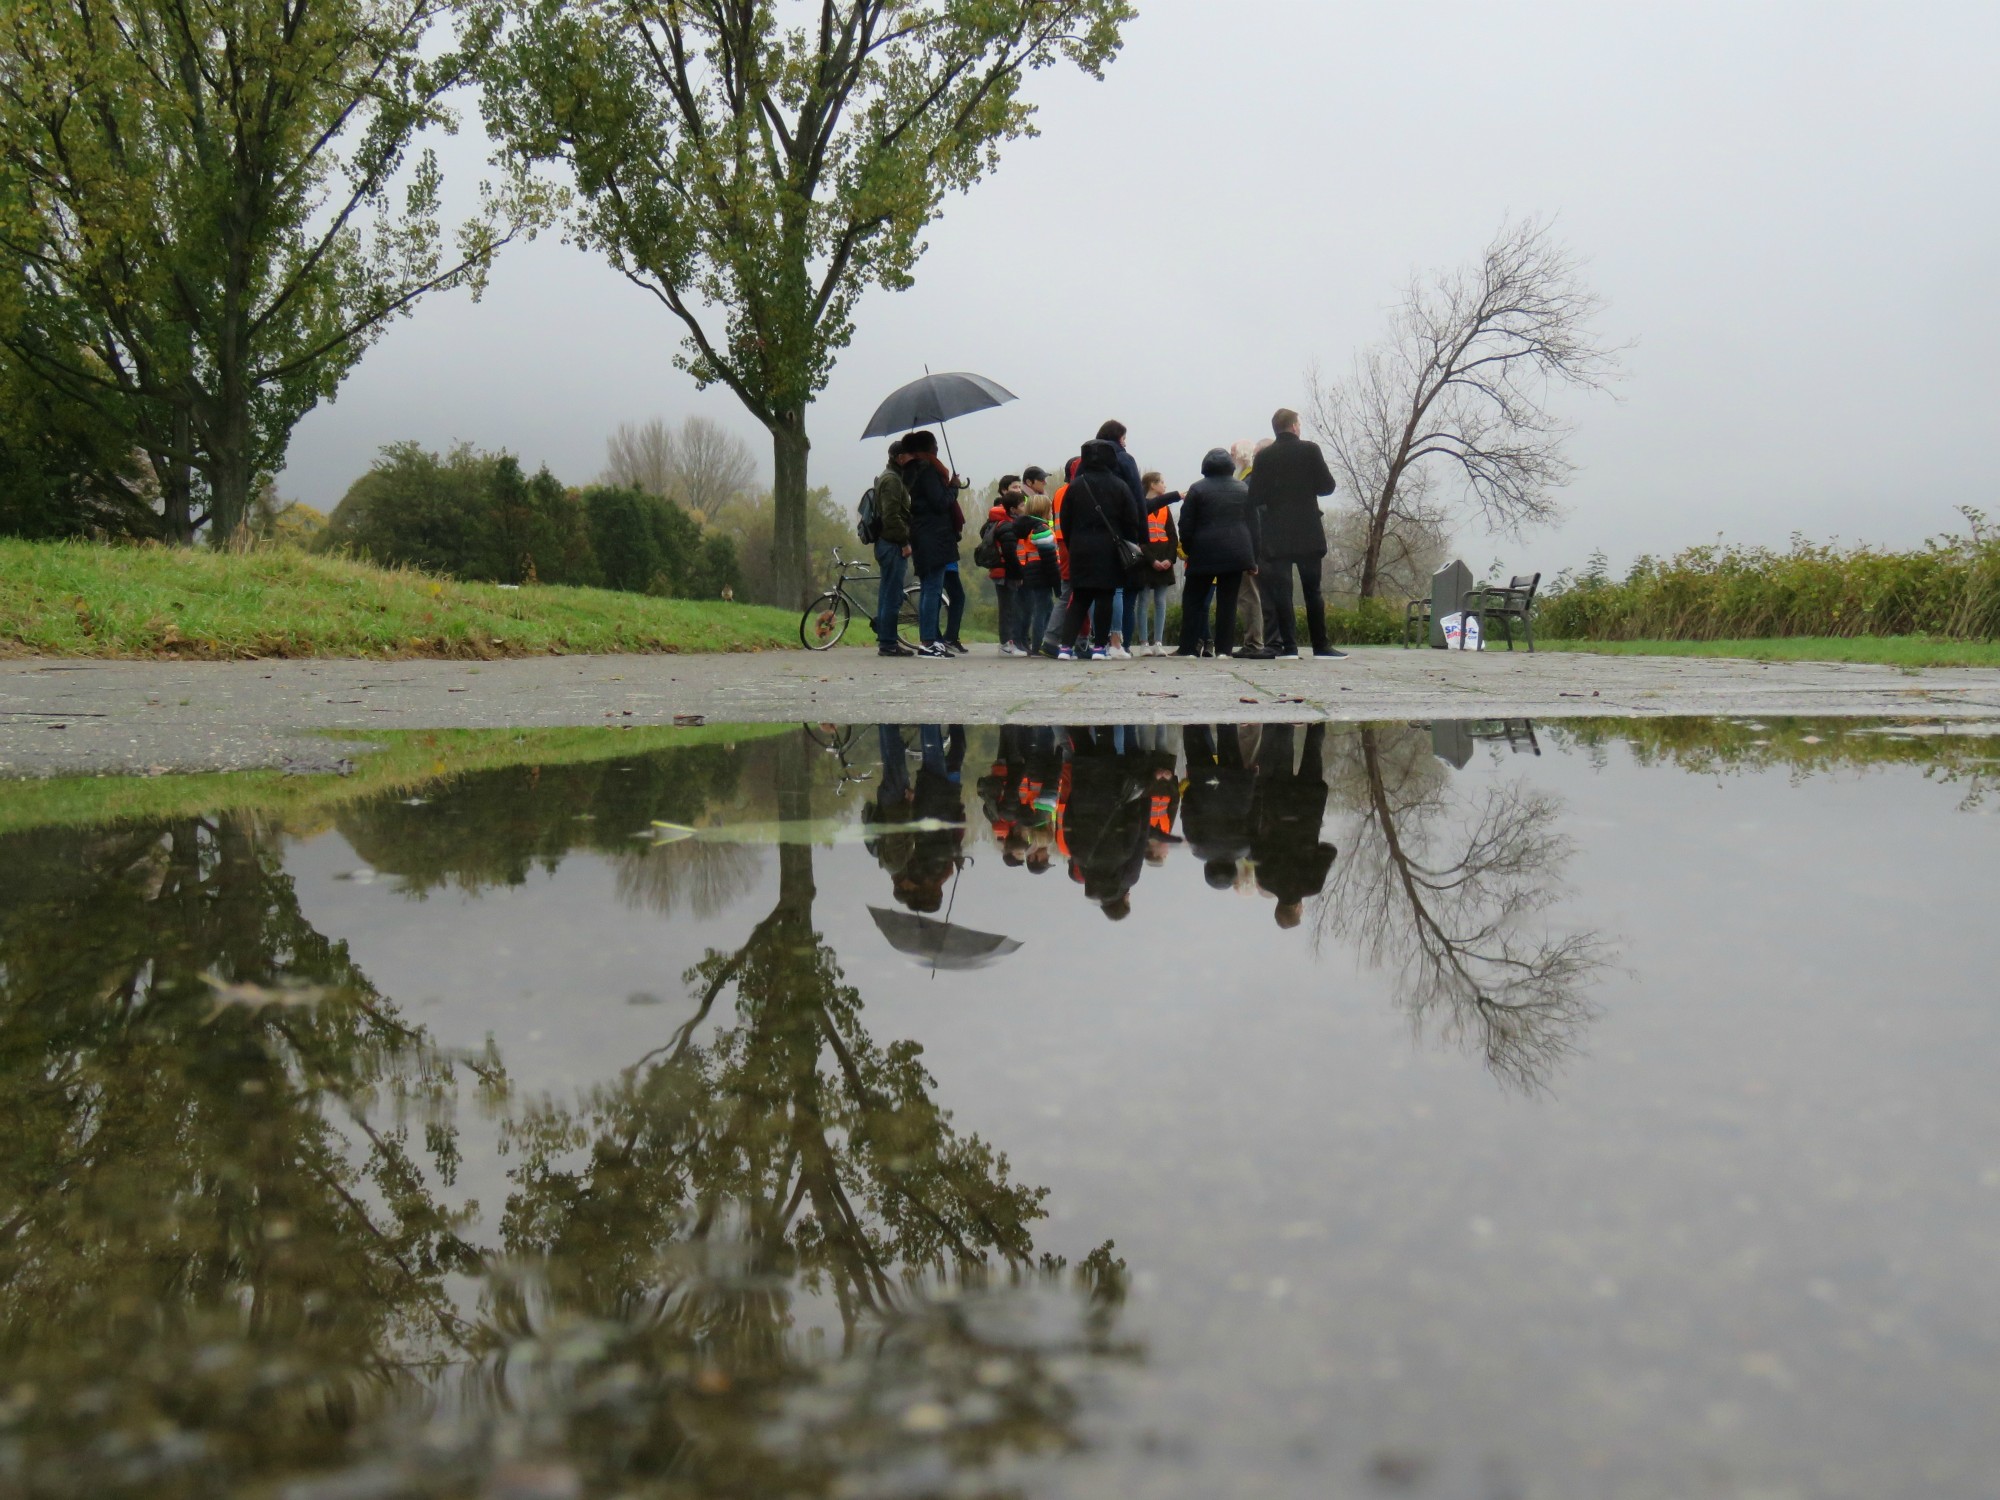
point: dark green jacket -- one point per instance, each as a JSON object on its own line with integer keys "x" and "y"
{"x": 892, "y": 506}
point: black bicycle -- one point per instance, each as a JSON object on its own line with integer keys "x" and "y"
{"x": 826, "y": 619}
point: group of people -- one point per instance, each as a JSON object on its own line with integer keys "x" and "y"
{"x": 1104, "y": 804}
{"x": 1089, "y": 568}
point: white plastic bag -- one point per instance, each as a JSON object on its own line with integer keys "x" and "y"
{"x": 1461, "y": 633}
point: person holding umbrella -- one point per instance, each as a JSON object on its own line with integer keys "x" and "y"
{"x": 933, "y": 536}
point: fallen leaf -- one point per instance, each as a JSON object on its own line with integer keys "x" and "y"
{"x": 1246, "y": 700}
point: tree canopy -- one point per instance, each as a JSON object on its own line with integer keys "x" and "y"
{"x": 756, "y": 176}
{"x": 210, "y": 208}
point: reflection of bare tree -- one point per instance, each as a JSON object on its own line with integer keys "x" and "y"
{"x": 1448, "y": 880}
{"x": 704, "y": 878}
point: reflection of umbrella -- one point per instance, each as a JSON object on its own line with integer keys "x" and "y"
{"x": 935, "y": 398}
{"x": 940, "y": 945}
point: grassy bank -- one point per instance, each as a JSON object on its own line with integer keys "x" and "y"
{"x": 399, "y": 762}
{"x": 1879, "y": 650}
{"x": 79, "y": 599}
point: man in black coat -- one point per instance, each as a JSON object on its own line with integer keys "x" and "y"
{"x": 1292, "y": 860}
{"x": 1286, "y": 484}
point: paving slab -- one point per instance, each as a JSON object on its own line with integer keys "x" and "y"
{"x": 67, "y": 717}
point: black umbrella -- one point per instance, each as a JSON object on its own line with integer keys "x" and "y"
{"x": 935, "y": 398}
{"x": 940, "y": 945}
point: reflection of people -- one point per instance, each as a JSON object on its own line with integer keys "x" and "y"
{"x": 889, "y": 838}
{"x": 1292, "y": 860}
{"x": 1221, "y": 791}
{"x": 1106, "y": 823}
{"x": 938, "y": 799}
{"x": 1164, "y": 792}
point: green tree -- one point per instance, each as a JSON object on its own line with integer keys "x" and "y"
{"x": 64, "y": 471}
{"x": 418, "y": 508}
{"x": 199, "y": 215}
{"x": 757, "y": 176}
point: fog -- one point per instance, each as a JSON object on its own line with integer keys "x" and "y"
{"x": 1789, "y": 208}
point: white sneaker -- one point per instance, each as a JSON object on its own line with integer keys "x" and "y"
{"x": 1118, "y": 653}
{"x": 1007, "y": 649}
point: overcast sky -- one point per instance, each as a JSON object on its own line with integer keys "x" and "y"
{"x": 1790, "y": 207}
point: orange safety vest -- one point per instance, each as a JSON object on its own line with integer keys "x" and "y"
{"x": 1025, "y": 550}
{"x": 1055, "y": 520}
{"x": 1156, "y": 526}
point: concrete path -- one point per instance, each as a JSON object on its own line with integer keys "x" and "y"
{"x": 70, "y": 717}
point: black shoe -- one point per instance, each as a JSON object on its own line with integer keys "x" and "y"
{"x": 956, "y": 648}
{"x": 1288, "y": 654}
{"x": 935, "y": 651}
{"x": 1255, "y": 653}
{"x": 1329, "y": 654}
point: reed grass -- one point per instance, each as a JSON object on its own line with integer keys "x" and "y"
{"x": 1947, "y": 590}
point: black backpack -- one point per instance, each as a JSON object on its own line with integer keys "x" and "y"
{"x": 986, "y": 552}
{"x": 868, "y": 526}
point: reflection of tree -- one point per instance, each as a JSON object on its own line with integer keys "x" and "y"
{"x": 493, "y": 828}
{"x": 223, "y": 1268}
{"x": 1447, "y": 879}
{"x": 704, "y": 1205}
{"x": 192, "y": 1244}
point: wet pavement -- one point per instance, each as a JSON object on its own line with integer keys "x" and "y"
{"x": 68, "y": 717}
{"x": 1480, "y": 1108}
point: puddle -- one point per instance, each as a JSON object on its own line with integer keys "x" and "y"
{"x": 1464, "y": 1109}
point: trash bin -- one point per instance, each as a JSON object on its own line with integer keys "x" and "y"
{"x": 1449, "y": 586}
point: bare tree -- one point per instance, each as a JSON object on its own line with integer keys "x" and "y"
{"x": 702, "y": 464}
{"x": 1448, "y": 883}
{"x": 1458, "y": 391}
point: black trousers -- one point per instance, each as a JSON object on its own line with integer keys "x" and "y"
{"x": 1194, "y": 611}
{"x": 1274, "y": 577}
{"x": 1085, "y": 602}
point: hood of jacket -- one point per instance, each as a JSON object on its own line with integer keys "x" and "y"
{"x": 1100, "y": 456}
{"x": 1217, "y": 464}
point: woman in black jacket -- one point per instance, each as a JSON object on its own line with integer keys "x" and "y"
{"x": 933, "y": 536}
{"x": 1221, "y": 547}
{"x": 1097, "y": 513}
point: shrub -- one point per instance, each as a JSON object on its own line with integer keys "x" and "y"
{"x": 1950, "y": 588}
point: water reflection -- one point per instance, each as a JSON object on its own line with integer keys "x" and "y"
{"x": 761, "y": 1259}
{"x": 757, "y": 1254}
{"x": 1448, "y": 881}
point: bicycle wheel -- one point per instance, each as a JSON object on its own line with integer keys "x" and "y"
{"x": 906, "y": 618}
{"x": 833, "y": 737}
{"x": 825, "y": 621}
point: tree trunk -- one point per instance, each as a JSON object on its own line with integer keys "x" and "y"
{"x": 1371, "y": 558}
{"x": 176, "y": 477}
{"x": 796, "y": 889}
{"x": 789, "y": 448}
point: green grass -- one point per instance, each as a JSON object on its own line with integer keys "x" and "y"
{"x": 1881, "y": 650}
{"x": 82, "y": 599}
{"x": 400, "y": 761}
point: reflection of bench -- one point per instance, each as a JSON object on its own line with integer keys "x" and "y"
{"x": 1518, "y": 733}
{"x": 1516, "y": 601}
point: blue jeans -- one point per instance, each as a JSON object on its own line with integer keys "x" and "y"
{"x": 1151, "y": 629}
{"x": 930, "y": 599}
{"x": 954, "y": 601}
{"x": 1037, "y": 604}
{"x": 890, "y": 563}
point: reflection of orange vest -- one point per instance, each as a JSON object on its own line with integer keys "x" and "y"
{"x": 1163, "y": 814}
{"x": 1062, "y": 808}
{"x": 1156, "y": 526}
